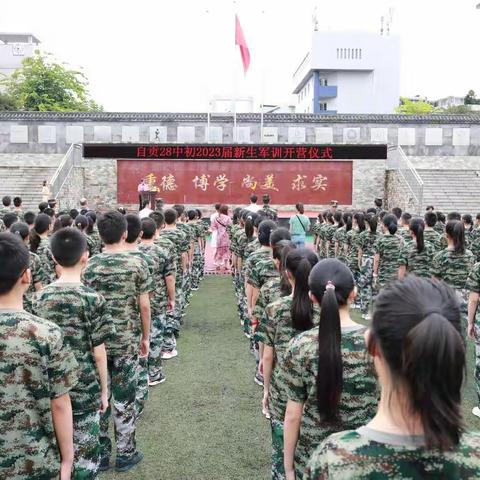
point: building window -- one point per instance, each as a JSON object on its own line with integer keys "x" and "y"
{"x": 360, "y": 54}
{"x": 338, "y": 53}
{"x": 323, "y": 106}
{"x": 323, "y": 82}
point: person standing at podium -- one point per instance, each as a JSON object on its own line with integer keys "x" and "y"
{"x": 142, "y": 187}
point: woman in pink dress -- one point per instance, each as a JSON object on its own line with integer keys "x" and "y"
{"x": 219, "y": 225}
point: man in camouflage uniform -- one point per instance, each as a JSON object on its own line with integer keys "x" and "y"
{"x": 17, "y": 208}
{"x": 475, "y": 239}
{"x": 122, "y": 278}
{"x": 37, "y": 372}
{"x": 81, "y": 314}
{"x": 7, "y": 206}
{"x": 162, "y": 300}
{"x": 270, "y": 212}
{"x": 473, "y": 286}
{"x": 430, "y": 235}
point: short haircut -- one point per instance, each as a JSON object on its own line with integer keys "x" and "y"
{"x": 478, "y": 216}
{"x": 397, "y": 211}
{"x": 73, "y": 213}
{"x": 253, "y": 198}
{"x": 50, "y": 212}
{"x": 29, "y": 217}
{"x": 454, "y": 216}
{"x": 266, "y": 199}
{"x": 149, "y": 228}
{"x": 67, "y": 246}
{"x": 192, "y": 214}
{"x": 42, "y": 206}
{"x": 430, "y": 207}
{"x": 6, "y": 200}
{"x": 430, "y": 219}
{"x": 170, "y": 216}
{"x": 9, "y": 219}
{"x": 441, "y": 217}
{"x": 217, "y": 206}
{"x": 21, "y": 229}
{"x": 158, "y": 217}
{"x": 17, "y": 201}
{"x": 14, "y": 258}
{"x": 378, "y": 202}
{"x": 134, "y": 227}
{"x": 111, "y": 226}
{"x": 224, "y": 210}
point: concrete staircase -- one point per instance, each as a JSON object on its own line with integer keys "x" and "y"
{"x": 451, "y": 190}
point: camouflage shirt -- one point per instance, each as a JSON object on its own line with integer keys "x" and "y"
{"x": 4, "y": 210}
{"x": 453, "y": 268}
{"x": 35, "y": 367}
{"x": 261, "y": 267}
{"x": 365, "y": 241}
{"x": 120, "y": 278}
{"x": 352, "y": 249}
{"x": 434, "y": 238}
{"x": 358, "y": 402}
{"x": 82, "y": 315}
{"x": 270, "y": 212}
{"x": 419, "y": 264}
{"x": 269, "y": 292}
{"x": 366, "y": 454}
{"x": 405, "y": 234}
{"x": 278, "y": 333}
{"x": 182, "y": 245}
{"x": 439, "y": 228}
{"x": 340, "y": 237}
{"x": 475, "y": 243}
{"x": 388, "y": 248}
{"x": 163, "y": 242}
{"x": 96, "y": 242}
{"x": 328, "y": 240}
{"x": 36, "y": 270}
{"x": 48, "y": 263}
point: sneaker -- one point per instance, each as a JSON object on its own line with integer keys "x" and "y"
{"x": 169, "y": 355}
{"x": 125, "y": 463}
{"x": 476, "y": 411}
{"x": 258, "y": 379}
{"x": 157, "y": 381}
{"x": 368, "y": 316}
{"x": 266, "y": 414}
{"x": 104, "y": 464}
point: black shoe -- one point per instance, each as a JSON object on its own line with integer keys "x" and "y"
{"x": 104, "y": 464}
{"x": 125, "y": 463}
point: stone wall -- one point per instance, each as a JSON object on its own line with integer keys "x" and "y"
{"x": 368, "y": 182}
{"x": 72, "y": 190}
{"x": 397, "y": 194}
{"x": 100, "y": 182}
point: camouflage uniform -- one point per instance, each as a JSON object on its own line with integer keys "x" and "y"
{"x": 340, "y": 237}
{"x": 388, "y": 248}
{"x": 328, "y": 234}
{"x": 81, "y": 314}
{"x": 269, "y": 293}
{"x": 48, "y": 263}
{"x": 190, "y": 238}
{"x": 164, "y": 267}
{"x": 270, "y": 212}
{"x": 322, "y": 242}
{"x": 97, "y": 241}
{"x": 35, "y": 367}
{"x": 4, "y": 210}
{"x": 475, "y": 243}
{"x": 439, "y": 228}
{"x": 419, "y": 264}
{"x": 278, "y": 333}
{"x": 405, "y": 234}
{"x": 2, "y": 226}
{"x": 358, "y": 402}
{"x": 351, "y": 256}
{"x": 197, "y": 266}
{"x": 473, "y": 285}
{"x": 120, "y": 278}
{"x": 365, "y": 242}
{"x": 36, "y": 270}
{"x": 91, "y": 246}
{"x": 434, "y": 238}
{"x": 364, "y": 454}
{"x": 453, "y": 268}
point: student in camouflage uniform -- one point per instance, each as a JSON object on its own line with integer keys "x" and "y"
{"x": 197, "y": 265}
{"x": 7, "y": 206}
{"x": 163, "y": 299}
{"x": 340, "y": 235}
{"x": 387, "y": 248}
{"x": 440, "y": 225}
{"x": 37, "y": 372}
{"x": 189, "y": 234}
{"x": 319, "y": 404}
{"x": 270, "y": 212}
{"x": 81, "y": 314}
{"x": 17, "y": 208}
{"x": 404, "y": 230}
{"x": 316, "y": 232}
{"x": 92, "y": 231}
{"x": 285, "y": 319}
{"x": 475, "y": 239}
{"x": 122, "y": 278}
{"x": 328, "y": 233}
{"x": 420, "y": 362}
{"x": 40, "y": 245}
{"x": 473, "y": 328}
{"x": 351, "y": 245}
{"x": 416, "y": 257}
{"x": 468, "y": 225}
{"x": 430, "y": 235}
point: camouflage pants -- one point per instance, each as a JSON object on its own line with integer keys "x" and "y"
{"x": 142, "y": 385}
{"x": 156, "y": 345}
{"x": 86, "y": 441}
{"x": 278, "y": 468}
{"x": 364, "y": 283}
{"x": 123, "y": 378}
{"x": 477, "y": 363}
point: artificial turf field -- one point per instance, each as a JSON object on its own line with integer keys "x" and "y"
{"x": 204, "y": 422}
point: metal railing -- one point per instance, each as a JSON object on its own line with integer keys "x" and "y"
{"x": 397, "y": 160}
{"x": 69, "y": 161}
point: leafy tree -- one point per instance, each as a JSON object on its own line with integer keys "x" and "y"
{"x": 409, "y": 107}
{"x": 465, "y": 109}
{"x": 42, "y": 84}
{"x": 7, "y": 103}
{"x": 471, "y": 98}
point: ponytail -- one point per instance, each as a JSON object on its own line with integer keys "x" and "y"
{"x": 41, "y": 225}
{"x": 417, "y": 226}
{"x": 360, "y": 219}
{"x": 280, "y": 251}
{"x": 299, "y": 263}
{"x": 456, "y": 231}
{"x": 347, "y": 218}
{"x": 249, "y": 231}
{"x": 390, "y": 222}
{"x": 371, "y": 220}
{"x": 34, "y": 240}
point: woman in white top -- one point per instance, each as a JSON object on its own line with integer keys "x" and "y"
{"x": 45, "y": 191}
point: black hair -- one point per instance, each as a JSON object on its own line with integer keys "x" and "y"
{"x": 253, "y": 198}
{"x": 347, "y": 220}
{"x": 300, "y": 208}
{"x": 236, "y": 215}
{"x": 111, "y": 227}
{"x": 406, "y": 217}
{"x": 321, "y": 218}
{"x": 266, "y": 199}
{"x": 49, "y": 211}
{"x": 180, "y": 209}
{"x": 9, "y": 219}
{"x": 83, "y": 211}
{"x": 7, "y": 201}
{"x": 92, "y": 215}
{"x": 390, "y": 221}
{"x": 454, "y": 216}
{"x": 468, "y": 220}
{"x": 378, "y": 202}
{"x": 371, "y": 210}
{"x": 191, "y": 214}
{"x": 372, "y": 222}
{"x": 170, "y": 216}
{"x": 199, "y": 213}
{"x": 265, "y": 229}
{"x": 149, "y": 228}
{"x": 81, "y": 222}
{"x": 397, "y": 211}
{"x": 122, "y": 210}
{"x": 329, "y": 218}
{"x": 21, "y": 229}
{"x": 17, "y": 201}
{"x": 425, "y": 353}
{"x": 29, "y": 217}
{"x": 431, "y": 219}
{"x": 279, "y": 234}
{"x": 223, "y": 209}
{"x": 299, "y": 262}
{"x": 417, "y": 226}
{"x": 217, "y": 206}
{"x": 250, "y": 219}
{"x": 62, "y": 221}
{"x": 360, "y": 219}
{"x": 456, "y": 231}
{"x": 158, "y": 217}
{"x": 91, "y": 224}
{"x": 41, "y": 225}
{"x": 338, "y": 217}
{"x": 15, "y": 260}
{"x": 134, "y": 227}
{"x": 67, "y": 246}
{"x": 280, "y": 251}
{"x": 441, "y": 217}
{"x": 73, "y": 213}
{"x": 430, "y": 207}
{"x": 42, "y": 206}
{"x": 331, "y": 283}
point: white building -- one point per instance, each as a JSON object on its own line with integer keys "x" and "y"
{"x": 14, "y": 47}
{"x": 355, "y": 72}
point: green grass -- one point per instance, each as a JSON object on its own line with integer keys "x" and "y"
{"x": 205, "y": 422}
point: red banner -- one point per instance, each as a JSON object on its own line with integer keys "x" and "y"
{"x": 203, "y": 182}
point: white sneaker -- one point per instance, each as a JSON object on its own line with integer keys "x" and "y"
{"x": 169, "y": 355}
{"x": 158, "y": 381}
{"x": 476, "y": 411}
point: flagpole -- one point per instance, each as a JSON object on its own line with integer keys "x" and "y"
{"x": 235, "y": 79}
{"x": 262, "y": 83}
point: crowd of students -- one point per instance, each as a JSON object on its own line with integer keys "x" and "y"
{"x": 344, "y": 400}
{"x": 89, "y": 307}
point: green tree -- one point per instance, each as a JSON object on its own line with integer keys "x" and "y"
{"x": 7, "y": 103}
{"x": 464, "y": 109}
{"x": 409, "y": 107}
{"x": 471, "y": 98}
{"x": 42, "y": 84}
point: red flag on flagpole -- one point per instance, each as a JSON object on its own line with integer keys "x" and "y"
{"x": 241, "y": 42}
